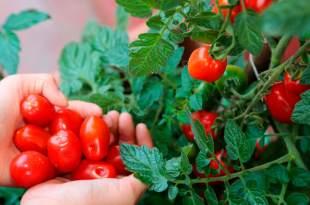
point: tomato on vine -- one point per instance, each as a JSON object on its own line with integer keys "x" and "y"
{"x": 201, "y": 66}
{"x": 234, "y": 12}
{"x": 293, "y": 89}
{"x": 258, "y": 5}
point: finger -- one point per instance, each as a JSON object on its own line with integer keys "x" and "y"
{"x": 85, "y": 109}
{"x": 143, "y": 136}
{"x": 112, "y": 138}
{"x": 138, "y": 187}
{"x": 126, "y": 129}
{"x": 108, "y": 120}
{"x": 114, "y": 129}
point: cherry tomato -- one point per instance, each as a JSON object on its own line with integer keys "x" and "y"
{"x": 257, "y": 5}
{"x": 234, "y": 12}
{"x": 293, "y": 89}
{"x": 66, "y": 119}
{"x": 64, "y": 150}
{"x": 95, "y": 138}
{"x": 37, "y": 110}
{"x": 207, "y": 119}
{"x": 89, "y": 169}
{"x": 31, "y": 137}
{"x": 114, "y": 158}
{"x": 202, "y": 67}
{"x": 278, "y": 103}
{"x": 31, "y": 168}
{"x": 215, "y": 165}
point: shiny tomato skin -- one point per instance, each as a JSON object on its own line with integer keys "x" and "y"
{"x": 215, "y": 165}
{"x": 64, "y": 150}
{"x": 66, "y": 119}
{"x": 89, "y": 169}
{"x": 293, "y": 89}
{"x": 278, "y": 103}
{"x": 234, "y": 12}
{"x": 258, "y": 5}
{"x": 37, "y": 110}
{"x": 207, "y": 119}
{"x": 31, "y": 138}
{"x": 31, "y": 168}
{"x": 95, "y": 138}
{"x": 201, "y": 66}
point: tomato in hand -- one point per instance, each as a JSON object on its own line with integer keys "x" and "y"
{"x": 31, "y": 137}
{"x": 66, "y": 119}
{"x": 64, "y": 150}
{"x": 89, "y": 169}
{"x": 293, "y": 89}
{"x": 215, "y": 165}
{"x": 95, "y": 138}
{"x": 114, "y": 158}
{"x": 201, "y": 66}
{"x": 234, "y": 12}
{"x": 258, "y": 5}
{"x": 37, "y": 110}
{"x": 278, "y": 103}
{"x": 31, "y": 168}
{"x": 207, "y": 119}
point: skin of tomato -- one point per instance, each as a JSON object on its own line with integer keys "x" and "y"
{"x": 293, "y": 89}
{"x": 234, "y": 12}
{"x": 89, "y": 169}
{"x": 215, "y": 165}
{"x": 31, "y": 138}
{"x": 114, "y": 158}
{"x": 207, "y": 119}
{"x": 66, "y": 119}
{"x": 64, "y": 150}
{"x": 278, "y": 103}
{"x": 95, "y": 138}
{"x": 209, "y": 94}
{"x": 37, "y": 110}
{"x": 232, "y": 74}
{"x": 257, "y": 5}
{"x": 31, "y": 168}
{"x": 202, "y": 67}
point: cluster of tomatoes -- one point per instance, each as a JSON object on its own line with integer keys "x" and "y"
{"x": 60, "y": 150}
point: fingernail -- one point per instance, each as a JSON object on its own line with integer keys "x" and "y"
{"x": 63, "y": 97}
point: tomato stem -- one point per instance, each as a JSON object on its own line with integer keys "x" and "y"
{"x": 304, "y": 56}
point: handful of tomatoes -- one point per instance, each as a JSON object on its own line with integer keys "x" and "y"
{"x": 71, "y": 144}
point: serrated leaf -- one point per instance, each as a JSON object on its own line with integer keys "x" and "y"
{"x": 195, "y": 101}
{"x": 161, "y": 136}
{"x": 305, "y": 35}
{"x": 194, "y": 199}
{"x": 168, "y": 4}
{"x": 24, "y": 20}
{"x": 150, "y": 93}
{"x": 237, "y": 145}
{"x": 118, "y": 55}
{"x": 248, "y": 35}
{"x": 188, "y": 148}
{"x": 305, "y": 144}
{"x": 181, "y": 93}
{"x": 174, "y": 61}
{"x": 297, "y": 199}
{"x": 139, "y": 8}
{"x": 122, "y": 19}
{"x": 148, "y": 165}
{"x": 183, "y": 27}
{"x": 206, "y": 37}
{"x": 9, "y": 49}
{"x": 305, "y": 78}
{"x": 175, "y": 36}
{"x": 173, "y": 167}
{"x": 210, "y": 196}
{"x": 301, "y": 113}
{"x": 251, "y": 184}
{"x": 205, "y": 5}
{"x": 172, "y": 192}
{"x": 182, "y": 192}
{"x": 256, "y": 197}
{"x": 182, "y": 117}
{"x": 222, "y": 44}
{"x": 202, "y": 160}
{"x": 300, "y": 177}
{"x": 108, "y": 101}
{"x": 186, "y": 79}
{"x": 208, "y": 20}
{"x": 278, "y": 174}
{"x": 187, "y": 181}
{"x": 187, "y": 168}
{"x": 137, "y": 84}
{"x": 103, "y": 89}
{"x": 233, "y": 2}
{"x": 149, "y": 54}
{"x": 236, "y": 200}
{"x": 155, "y": 23}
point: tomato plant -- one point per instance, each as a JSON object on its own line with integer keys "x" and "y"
{"x": 293, "y": 88}
{"x": 234, "y": 12}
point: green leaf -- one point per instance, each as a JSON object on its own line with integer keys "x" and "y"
{"x": 210, "y": 196}
{"x": 207, "y": 37}
{"x": 172, "y": 192}
{"x": 305, "y": 78}
{"x": 256, "y": 197}
{"x": 181, "y": 93}
{"x": 195, "y": 101}
{"x": 222, "y": 44}
{"x": 187, "y": 181}
{"x": 194, "y": 199}
{"x": 202, "y": 160}
{"x": 305, "y": 144}
{"x": 9, "y": 49}
{"x": 183, "y": 27}
{"x": 155, "y": 23}
{"x": 248, "y": 35}
{"x": 89, "y": 30}
{"x": 150, "y": 93}
{"x": 168, "y": 4}
{"x": 182, "y": 117}
{"x": 278, "y": 174}
{"x": 305, "y": 35}
{"x": 139, "y": 8}
{"x": 237, "y": 145}
{"x": 149, "y": 54}
{"x": 301, "y": 113}
{"x": 174, "y": 61}
{"x": 118, "y": 55}
{"x": 182, "y": 192}
{"x": 188, "y": 148}
{"x": 300, "y": 177}
{"x": 296, "y": 20}
{"x": 24, "y": 20}
{"x": 137, "y": 84}
{"x": 186, "y": 79}
{"x": 161, "y": 136}
{"x": 175, "y": 36}
{"x": 187, "y": 168}
{"x": 208, "y": 20}
{"x": 173, "y": 167}
{"x": 205, "y": 5}
{"x": 122, "y": 19}
{"x": 251, "y": 184}
{"x": 233, "y": 2}
{"x": 236, "y": 200}
{"x": 108, "y": 101}
{"x": 148, "y": 165}
{"x": 297, "y": 199}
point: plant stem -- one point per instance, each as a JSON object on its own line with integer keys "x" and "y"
{"x": 304, "y": 56}
{"x": 302, "y": 49}
{"x": 220, "y": 164}
{"x": 183, "y": 14}
{"x": 278, "y": 52}
{"x": 284, "y": 186}
{"x": 219, "y": 10}
{"x": 161, "y": 106}
{"x": 227, "y": 19}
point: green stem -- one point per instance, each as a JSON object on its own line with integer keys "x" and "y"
{"x": 304, "y": 56}
{"x": 219, "y": 9}
{"x": 284, "y": 186}
{"x": 197, "y": 8}
{"x": 295, "y": 132}
{"x": 227, "y": 19}
{"x": 220, "y": 164}
{"x": 300, "y": 137}
{"x": 247, "y": 96}
{"x": 302, "y": 49}
{"x": 167, "y": 80}
{"x": 272, "y": 196}
{"x": 183, "y": 14}
{"x": 278, "y": 52}
{"x": 161, "y": 106}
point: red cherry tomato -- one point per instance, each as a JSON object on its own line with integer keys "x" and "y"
{"x": 293, "y": 89}
{"x": 64, "y": 150}
{"x": 207, "y": 119}
{"x": 215, "y": 165}
{"x": 202, "y": 67}
{"x": 257, "y": 146}
{"x": 234, "y": 12}
{"x": 89, "y": 169}
{"x": 257, "y": 5}
{"x": 278, "y": 103}
{"x": 31, "y": 137}
{"x": 37, "y": 110}
{"x": 95, "y": 138}
{"x": 31, "y": 168}
{"x": 66, "y": 119}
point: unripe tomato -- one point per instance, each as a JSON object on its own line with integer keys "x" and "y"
{"x": 257, "y": 5}
{"x": 64, "y": 150}
{"x": 234, "y": 12}
{"x": 37, "y": 110}
{"x": 66, "y": 119}
{"x": 31, "y": 138}
{"x": 293, "y": 89}
{"x": 207, "y": 119}
{"x": 31, "y": 168}
{"x": 202, "y": 67}
{"x": 89, "y": 169}
{"x": 278, "y": 103}
{"x": 215, "y": 165}
{"x": 95, "y": 138}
